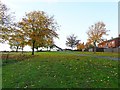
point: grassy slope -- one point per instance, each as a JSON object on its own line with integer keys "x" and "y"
{"x": 61, "y": 70}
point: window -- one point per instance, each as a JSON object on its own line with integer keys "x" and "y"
{"x": 113, "y": 42}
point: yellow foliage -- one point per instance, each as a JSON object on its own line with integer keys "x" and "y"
{"x": 80, "y": 46}
{"x": 96, "y": 32}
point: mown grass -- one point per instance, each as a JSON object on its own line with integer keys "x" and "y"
{"x": 59, "y": 70}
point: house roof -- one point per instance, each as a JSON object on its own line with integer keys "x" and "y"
{"x": 102, "y": 42}
{"x": 109, "y": 40}
{"x": 114, "y": 38}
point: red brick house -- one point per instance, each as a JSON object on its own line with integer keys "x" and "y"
{"x": 112, "y": 43}
{"x": 102, "y": 44}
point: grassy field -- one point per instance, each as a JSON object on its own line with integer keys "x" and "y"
{"x": 59, "y": 70}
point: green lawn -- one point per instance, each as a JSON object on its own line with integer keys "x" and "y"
{"x": 58, "y": 70}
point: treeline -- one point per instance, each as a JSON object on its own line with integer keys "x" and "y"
{"x": 36, "y": 29}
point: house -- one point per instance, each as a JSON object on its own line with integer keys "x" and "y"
{"x": 56, "y": 48}
{"x": 112, "y": 43}
{"x": 102, "y": 44}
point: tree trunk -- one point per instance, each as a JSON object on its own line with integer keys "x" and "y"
{"x": 33, "y": 46}
{"x": 95, "y": 47}
{"x": 37, "y": 49}
{"x": 47, "y": 48}
{"x": 72, "y": 48}
{"x": 17, "y": 48}
{"x": 22, "y": 50}
{"x": 50, "y": 48}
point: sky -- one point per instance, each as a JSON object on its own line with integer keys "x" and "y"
{"x": 73, "y": 16}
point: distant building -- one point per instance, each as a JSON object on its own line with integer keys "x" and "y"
{"x": 56, "y": 48}
{"x": 103, "y": 44}
{"x": 112, "y": 43}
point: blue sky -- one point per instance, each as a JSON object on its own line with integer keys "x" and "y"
{"x": 74, "y": 17}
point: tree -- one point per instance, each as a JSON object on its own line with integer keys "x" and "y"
{"x": 72, "y": 41}
{"x": 5, "y": 22}
{"x": 17, "y": 40}
{"x": 80, "y": 46}
{"x": 88, "y": 45}
{"x": 38, "y": 26}
{"x": 44, "y": 43}
{"x": 96, "y": 32}
{"x": 3, "y": 14}
{"x": 49, "y": 43}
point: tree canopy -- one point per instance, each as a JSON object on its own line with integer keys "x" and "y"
{"x": 80, "y": 46}
{"x": 96, "y": 33}
{"x": 72, "y": 41}
{"x": 39, "y": 28}
{"x": 6, "y": 20}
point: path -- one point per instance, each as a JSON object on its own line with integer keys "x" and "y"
{"x": 106, "y": 57}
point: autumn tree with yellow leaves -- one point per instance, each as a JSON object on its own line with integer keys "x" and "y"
{"x": 9, "y": 30}
{"x": 96, "y": 33}
{"x": 38, "y": 27}
{"x": 17, "y": 39}
{"x": 80, "y": 46}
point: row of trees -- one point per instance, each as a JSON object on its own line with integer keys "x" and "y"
{"x": 95, "y": 35}
{"x": 36, "y": 29}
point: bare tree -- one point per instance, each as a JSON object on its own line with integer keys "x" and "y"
{"x": 72, "y": 41}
